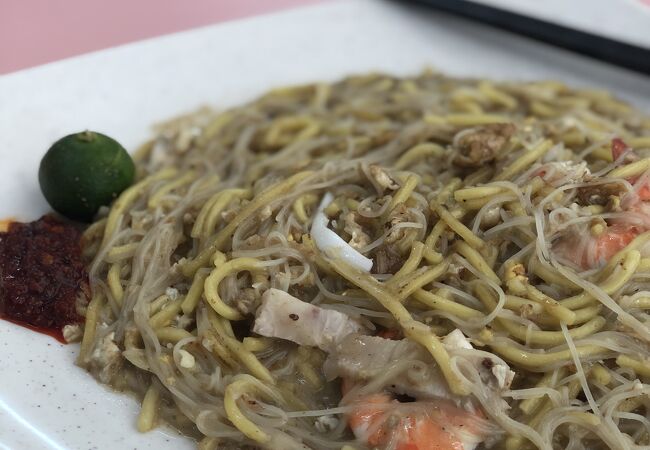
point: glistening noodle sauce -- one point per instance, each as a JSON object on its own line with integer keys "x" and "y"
{"x": 42, "y": 277}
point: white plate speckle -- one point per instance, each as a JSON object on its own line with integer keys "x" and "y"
{"x": 45, "y": 401}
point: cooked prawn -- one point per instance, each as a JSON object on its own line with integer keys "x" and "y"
{"x": 643, "y": 192}
{"x": 382, "y": 422}
{"x": 618, "y": 148}
{"x": 642, "y": 186}
{"x": 614, "y": 239}
{"x": 618, "y": 234}
{"x": 598, "y": 249}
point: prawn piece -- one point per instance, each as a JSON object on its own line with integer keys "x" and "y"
{"x": 644, "y": 192}
{"x": 599, "y": 249}
{"x": 618, "y": 234}
{"x": 382, "y": 422}
{"x": 619, "y": 147}
{"x": 613, "y": 240}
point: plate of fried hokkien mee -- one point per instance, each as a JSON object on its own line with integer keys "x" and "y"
{"x": 381, "y": 262}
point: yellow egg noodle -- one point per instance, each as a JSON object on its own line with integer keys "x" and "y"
{"x": 403, "y": 211}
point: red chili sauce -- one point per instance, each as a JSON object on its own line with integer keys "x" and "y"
{"x": 42, "y": 275}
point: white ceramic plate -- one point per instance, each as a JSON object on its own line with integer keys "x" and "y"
{"x": 624, "y": 20}
{"x": 45, "y": 401}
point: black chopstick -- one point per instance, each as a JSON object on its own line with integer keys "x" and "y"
{"x": 598, "y": 47}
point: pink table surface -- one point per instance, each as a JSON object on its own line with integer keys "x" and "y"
{"x": 34, "y": 32}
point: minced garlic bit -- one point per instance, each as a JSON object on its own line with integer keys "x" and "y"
{"x": 187, "y": 359}
{"x": 172, "y": 293}
{"x": 72, "y": 333}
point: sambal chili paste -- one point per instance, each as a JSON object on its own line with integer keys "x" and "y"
{"x": 42, "y": 277}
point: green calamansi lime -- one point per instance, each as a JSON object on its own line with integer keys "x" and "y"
{"x": 84, "y": 171}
